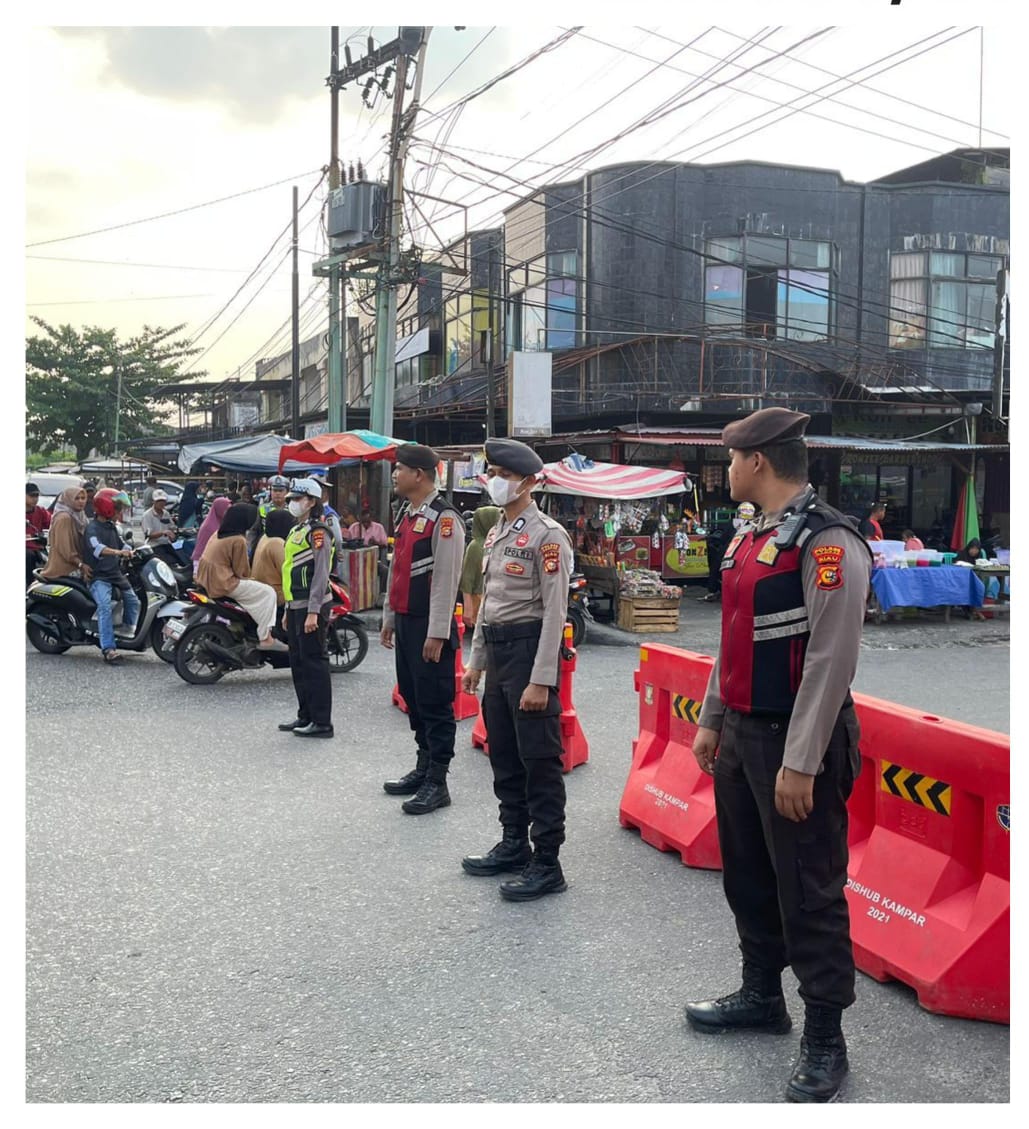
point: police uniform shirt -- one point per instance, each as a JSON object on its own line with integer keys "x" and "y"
{"x": 447, "y": 557}
{"x": 526, "y": 566}
{"x": 835, "y": 616}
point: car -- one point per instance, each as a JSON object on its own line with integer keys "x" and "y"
{"x": 136, "y": 489}
{"x": 50, "y": 485}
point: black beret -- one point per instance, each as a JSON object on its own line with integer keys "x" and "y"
{"x": 417, "y": 456}
{"x": 765, "y": 428}
{"x": 512, "y": 455}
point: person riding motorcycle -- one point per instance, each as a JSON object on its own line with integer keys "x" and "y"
{"x": 104, "y": 553}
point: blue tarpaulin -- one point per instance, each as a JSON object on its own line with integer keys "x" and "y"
{"x": 254, "y": 454}
{"x": 927, "y": 587}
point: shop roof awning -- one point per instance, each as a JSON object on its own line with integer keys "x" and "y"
{"x": 610, "y": 480}
{"x": 712, "y": 438}
{"x": 254, "y": 454}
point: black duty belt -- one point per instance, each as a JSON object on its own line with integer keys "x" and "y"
{"x": 506, "y": 632}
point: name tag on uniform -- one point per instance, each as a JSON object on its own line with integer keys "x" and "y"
{"x": 520, "y": 554}
{"x": 419, "y": 525}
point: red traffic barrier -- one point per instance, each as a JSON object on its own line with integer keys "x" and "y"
{"x": 929, "y": 874}
{"x": 575, "y": 747}
{"x": 465, "y": 705}
{"x": 667, "y": 797}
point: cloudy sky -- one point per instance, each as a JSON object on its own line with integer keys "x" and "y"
{"x": 156, "y": 124}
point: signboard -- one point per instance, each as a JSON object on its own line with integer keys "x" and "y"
{"x": 684, "y": 556}
{"x": 313, "y": 429}
{"x": 529, "y": 395}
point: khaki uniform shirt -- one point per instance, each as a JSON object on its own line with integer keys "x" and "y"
{"x": 526, "y": 565}
{"x": 447, "y": 556}
{"x": 836, "y": 617}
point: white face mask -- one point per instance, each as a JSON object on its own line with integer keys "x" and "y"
{"x": 298, "y": 508}
{"x": 503, "y": 491}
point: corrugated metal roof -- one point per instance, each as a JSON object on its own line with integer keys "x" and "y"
{"x": 710, "y": 437}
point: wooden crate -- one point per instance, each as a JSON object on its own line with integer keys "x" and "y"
{"x": 647, "y": 614}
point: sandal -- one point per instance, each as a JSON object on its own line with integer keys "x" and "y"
{"x": 111, "y": 656}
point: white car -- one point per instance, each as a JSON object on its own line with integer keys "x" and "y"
{"x": 50, "y": 485}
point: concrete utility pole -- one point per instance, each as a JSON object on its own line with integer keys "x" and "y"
{"x": 117, "y": 410}
{"x": 336, "y": 367}
{"x": 999, "y": 342}
{"x": 295, "y": 384}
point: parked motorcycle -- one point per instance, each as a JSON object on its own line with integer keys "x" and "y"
{"x": 61, "y": 613}
{"x": 579, "y": 613}
{"x": 219, "y": 636}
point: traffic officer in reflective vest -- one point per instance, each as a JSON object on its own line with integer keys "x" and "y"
{"x": 278, "y": 489}
{"x": 305, "y": 586}
{"x": 778, "y": 732}
{"x": 527, "y": 561}
{"x": 419, "y": 610}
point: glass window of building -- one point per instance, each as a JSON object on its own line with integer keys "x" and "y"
{"x": 534, "y": 320}
{"x": 947, "y": 292}
{"x": 457, "y": 334}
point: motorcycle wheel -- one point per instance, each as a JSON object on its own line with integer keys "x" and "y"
{"x": 578, "y": 622}
{"x": 347, "y": 645}
{"x": 192, "y": 662}
{"x": 39, "y": 638}
{"x": 163, "y": 648}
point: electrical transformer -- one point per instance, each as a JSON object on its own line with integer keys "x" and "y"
{"x": 355, "y": 214}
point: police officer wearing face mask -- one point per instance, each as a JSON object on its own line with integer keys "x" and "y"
{"x": 305, "y": 585}
{"x": 421, "y": 591}
{"x": 527, "y": 560}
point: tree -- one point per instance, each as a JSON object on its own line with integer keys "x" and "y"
{"x": 71, "y": 384}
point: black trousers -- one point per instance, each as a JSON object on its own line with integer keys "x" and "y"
{"x": 309, "y": 664}
{"x": 784, "y": 881}
{"x": 524, "y": 748}
{"x": 428, "y": 688}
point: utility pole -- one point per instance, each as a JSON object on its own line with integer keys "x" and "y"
{"x": 490, "y": 385}
{"x": 999, "y": 341}
{"x": 117, "y": 408}
{"x": 295, "y": 384}
{"x": 336, "y": 368}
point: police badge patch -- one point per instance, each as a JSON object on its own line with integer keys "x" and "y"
{"x": 446, "y": 527}
{"x": 829, "y": 559}
{"x": 551, "y": 556}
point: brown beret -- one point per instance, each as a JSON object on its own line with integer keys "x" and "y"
{"x": 417, "y": 456}
{"x": 765, "y": 428}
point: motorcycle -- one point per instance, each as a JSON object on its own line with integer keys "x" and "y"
{"x": 219, "y": 636}
{"x": 61, "y": 613}
{"x": 578, "y": 614}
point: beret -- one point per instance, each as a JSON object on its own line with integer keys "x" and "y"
{"x": 512, "y": 455}
{"x": 765, "y": 428}
{"x": 417, "y": 456}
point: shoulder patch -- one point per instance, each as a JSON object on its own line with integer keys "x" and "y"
{"x": 446, "y": 527}
{"x": 827, "y": 554}
{"x": 550, "y": 554}
{"x": 317, "y": 538}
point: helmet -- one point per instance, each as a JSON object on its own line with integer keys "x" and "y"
{"x": 104, "y": 503}
{"x": 306, "y": 488}
{"x": 122, "y": 500}
{"x": 278, "y": 482}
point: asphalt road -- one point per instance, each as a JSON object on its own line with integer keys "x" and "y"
{"x": 217, "y": 912}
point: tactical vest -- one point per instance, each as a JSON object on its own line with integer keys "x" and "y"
{"x": 413, "y": 561}
{"x": 765, "y": 627}
{"x": 298, "y": 561}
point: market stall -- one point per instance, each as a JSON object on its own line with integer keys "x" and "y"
{"x": 629, "y": 528}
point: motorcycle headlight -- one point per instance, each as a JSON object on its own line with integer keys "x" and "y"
{"x": 165, "y": 574}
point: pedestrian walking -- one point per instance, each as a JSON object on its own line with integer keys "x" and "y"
{"x": 306, "y": 563}
{"x": 418, "y": 624}
{"x": 527, "y": 562}
{"x": 778, "y": 732}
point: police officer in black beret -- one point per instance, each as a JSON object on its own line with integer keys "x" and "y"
{"x": 778, "y": 732}
{"x": 527, "y": 560}
{"x": 421, "y": 592}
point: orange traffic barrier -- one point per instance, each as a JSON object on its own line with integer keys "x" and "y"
{"x": 929, "y": 874}
{"x": 575, "y": 747}
{"x": 929, "y": 825}
{"x": 465, "y": 705}
{"x": 667, "y": 797}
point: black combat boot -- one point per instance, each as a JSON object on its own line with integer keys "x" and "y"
{"x": 822, "y": 1064}
{"x": 409, "y": 784}
{"x": 432, "y": 793}
{"x": 541, "y": 876}
{"x": 758, "y": 1005}
{"x": 511, "y": 853}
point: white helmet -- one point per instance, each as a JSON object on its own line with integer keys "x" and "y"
{"x": 278, "y": 482}
{"x": 305, "y": 488}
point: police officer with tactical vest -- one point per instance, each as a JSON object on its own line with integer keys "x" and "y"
{"x": 421, "y": 592}
{"x": 778, "y": 732}
{"x": 527, "y": 560}
{"x": 305, "y": 586}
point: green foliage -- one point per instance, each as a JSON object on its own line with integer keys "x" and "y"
{"x": 71, "y": 384}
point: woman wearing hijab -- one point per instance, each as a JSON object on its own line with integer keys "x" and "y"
{"x": 483, "y": 520}
{"x": 971, "y": 553}
{"x": 271, "y": 551}
{"x": 224, "y": 570}
{"x": 209, "y": 528}
{"x": 189, "y": 508}
{"x": 67, "y": 536}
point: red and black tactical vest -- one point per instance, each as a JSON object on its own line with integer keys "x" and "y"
{"x": 765, "y": 628}
{"x": 412, "y": 557}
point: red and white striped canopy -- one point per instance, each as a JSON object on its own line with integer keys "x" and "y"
{"x": 609, "y": 480}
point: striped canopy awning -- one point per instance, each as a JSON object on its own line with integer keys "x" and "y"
{"x": 345, "y": 447}
{"x": 610, "y": 480}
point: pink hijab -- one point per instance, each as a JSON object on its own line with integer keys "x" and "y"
{"x": 210, "y": 525}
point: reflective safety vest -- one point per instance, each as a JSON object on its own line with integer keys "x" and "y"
{"x": 765, "y": 628}
{"x": 298, "y": 561}
{"x": 413, "y": 561}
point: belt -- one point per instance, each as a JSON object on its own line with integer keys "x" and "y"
{"x": 506, "y": 632}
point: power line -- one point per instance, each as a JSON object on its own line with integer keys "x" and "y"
{"x": 106, "y": 301}
{"x": 124, "y": 263}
